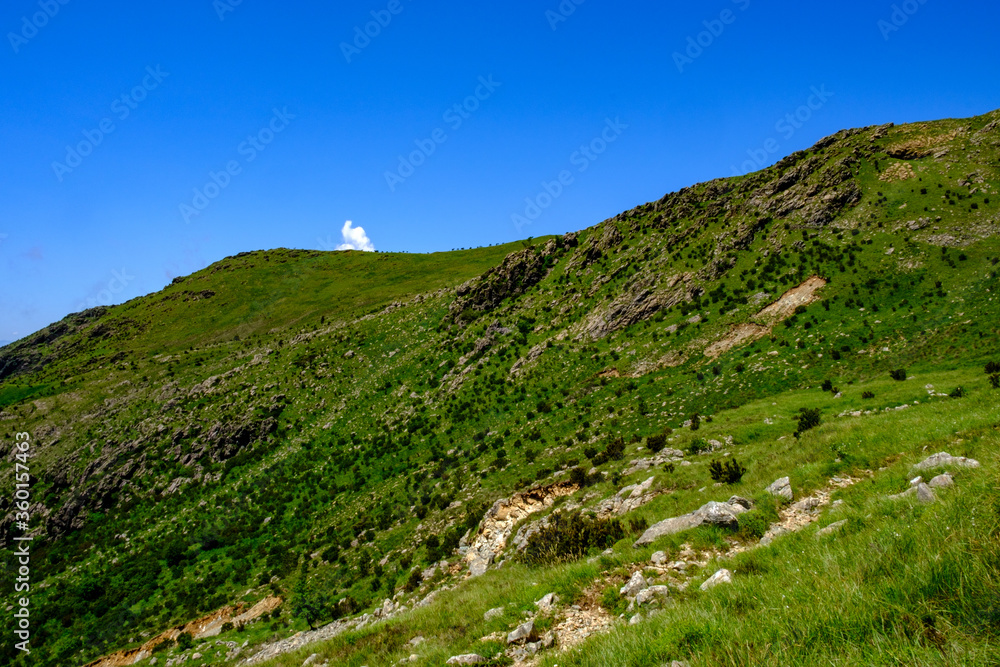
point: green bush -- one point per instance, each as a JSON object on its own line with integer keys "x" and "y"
{"x": 728, "y": 472}
{"x": 697, "y": 446}
{"x": 413, "y": 581}
{"x": 613, "y": 602}
{"x": 808, "y": 418}
{"x": 898, "y": 374}
{"x": 995, "y": 381}
{"x": 656, "y": 443}
{"x": 868, "y": 395}
{"x": 993, "y": 368}
{"x": 753, "y": 524}
{"x": 958, "y": 392}
{"x": 569, "y": 537}
{"x": 185, "y": 641}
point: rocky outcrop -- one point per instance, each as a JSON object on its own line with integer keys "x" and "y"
{"x": 715, "y": 513}
{"x": 723, "y": 576}
{"x": 781, "y": 488}
{"x": 630, "y": 498}
{"x": 499, "y": 521}
{"x": 944, "y": 459}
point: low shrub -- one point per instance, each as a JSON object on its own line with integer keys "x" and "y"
{"x": 995, "y": 381}
{"x": 697, "y": 446}
{"x": 898, "y": 374}
{"x": 993, "y": 368}
{"x": 868, "y": 395}
{"x": 729, "y": 472}
{"x": 808, "y": 418}
{"x": 958, "y": 392}
{"x": 569, "y": 537}
{"x": 753, "y": 525}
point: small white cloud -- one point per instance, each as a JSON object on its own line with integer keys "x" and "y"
{"x": 355, "y": 238}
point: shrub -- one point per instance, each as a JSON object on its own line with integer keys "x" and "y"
{"x": 753, "y": 525}
{"x": 827, "y": 385}
{"x": 580, "y": 477}
{"x": 695, "y": 421}
{"x": 185, "y": 641}
{"x": 656, "y": 443}
{"x": 728, "y": 472}
{"x": 993, "y": 368}
{"x": 616, "y": 449}
{"x": 868, "y": 395}
{"x": 899, "y": 374}
{"x": 697, "y": 446}
{"x": 808, "y": 418}
{"x": 958, "y": 392}
{"x": 227, "y": 626}
{"x": 163, "y": 646}
{"x": 638, "y": 525}
{"x": 569, "y": 537}
{"x": 413, "y": 581}
{"x": 995, "y": 381}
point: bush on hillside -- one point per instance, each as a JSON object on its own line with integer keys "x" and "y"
{"x": 727, "y": 472}
{"x": 993, "y": 368}
{"x": 995, "y": 381}
{"x": 899, "y": 374}
{"x": 656, "y": 443}
{"x": 808, "y": 418}
{"x": 958, "y": 392}
{"x": 868, "y": 394}
{"x": 569, "y": 537}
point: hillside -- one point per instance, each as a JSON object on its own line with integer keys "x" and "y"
{"x": 294, "y": 438}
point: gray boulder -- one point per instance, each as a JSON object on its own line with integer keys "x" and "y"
{"x": 945, "y": 459}
{"x": 634, "y": 585}
{"x": 650, "y": 594}
{"x": 467, "y": 659}
{"x": 832, "y": 528}
{"x": 942, "y": 481}
{"x": 522, "y": 632}
{"x": 781, "y": 488}
{"x": 493, "y": 613}
{"x": 715, "y": 513}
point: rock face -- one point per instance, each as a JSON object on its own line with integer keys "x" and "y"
{"x": 499, "y": 521}
{"x": 945, "y": 459}
{"x": 719, "y": 514}
{"x": 781, "y": 488}
{"x": 723, "y": 576}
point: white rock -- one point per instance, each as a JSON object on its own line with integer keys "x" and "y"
{"x": 942, "y": 481}
{"x": 467, "y": 659}
{"x": 521, "y": 633}
{"x": 946, "y": 459}
{"x": 634, "y": 585}
{"x": 493, "y": 613}
{"x": 781, "y": 488}
{"x": 659, "y": 558}
{"x": 651, "y": 593}
{"x": 547, "y": 602}
{"x": 723, "y": 576}
{"x": 832, "y": 528}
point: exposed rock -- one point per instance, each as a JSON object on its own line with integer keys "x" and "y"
{"x": 626, "y": 500}
{"x": 652, "y": 593}
{"x": 719, "y": 514}
{"x": 922, "y": 492}
{"x": 634, "y": 585}
{"x": 945, "y": 459}
{"x": 781, "y": 488}
{"x": 832, "y": 528}
{"x": 723, "y": 576}
{"x": 548, "y": 602}
{"x": 665, "y": 456}
{"x": 942, "y": 481}
{"x": 658, "y": 558}
{"x": 773, "y": 532}
{"x": 467, "y": 659}
{"x": 522, "y": 632}
{"x": 308, "y": 661}
{"x": 499, "y": 521}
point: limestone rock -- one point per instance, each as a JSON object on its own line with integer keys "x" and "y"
{"x": 652, "y": 593}
{"x": 832, "y": 528}
{"x": 945, "y": 459}
{"x": 547, "y": 602}
{"x": 658, "y": 558}
{"x": 781, "y": 488}
{"x": 716, "y": 513}
{"x": 942, "y": 481}
{"x": 522, "y": 632}
{"x": 774, "y": 532}
{"x": 723, "y": 576}
{"x": 467, "y": 659}
{"x": 634, "y": 585}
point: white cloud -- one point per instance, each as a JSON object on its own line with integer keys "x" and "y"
{"x": 355, "y": 238}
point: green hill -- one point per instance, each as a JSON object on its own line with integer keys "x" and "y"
{"x": 326, "y": 428}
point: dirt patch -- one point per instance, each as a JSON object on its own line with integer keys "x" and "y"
{"x": 771, "y": 315}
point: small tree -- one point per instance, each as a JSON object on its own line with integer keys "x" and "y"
{"x": 995, "y": 381}
{"x": 185, "y": 641}
{"x": 308, "y": 602}
{"x": 695, "y": 421}
{"x": 656, "y": 443}
{"x": 993, "y": 368}
{"x": 898, "y": 374}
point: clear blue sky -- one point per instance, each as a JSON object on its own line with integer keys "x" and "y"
{"x": 200, "y": 78}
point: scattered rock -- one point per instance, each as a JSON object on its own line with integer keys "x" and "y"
{"x": 467, "y": 659}
{"x": 547, "y": 602}
{"x": 652, "y": 593}
{"x": 634, "y": 585}
{"x": 658, "y": 558}
{"x": 310, "y": 660}
{"x": 922, "y": 492}
{"x": 916, "y": 480}
{"x": 942, "y": 481}
{"x": 946, "y": 459}
{"x": 522, "y": 632}
{"x": 723, "y": 576}
{"x": 773, "y": 532}
{"x": 781, "y": 488}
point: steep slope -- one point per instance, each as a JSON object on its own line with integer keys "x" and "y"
{"x": 343, "y": 418}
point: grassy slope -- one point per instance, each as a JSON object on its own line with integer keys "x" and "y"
{"x": 374, "y": 445}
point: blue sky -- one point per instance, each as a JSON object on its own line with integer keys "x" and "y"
{"x": 141, "y": 141}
